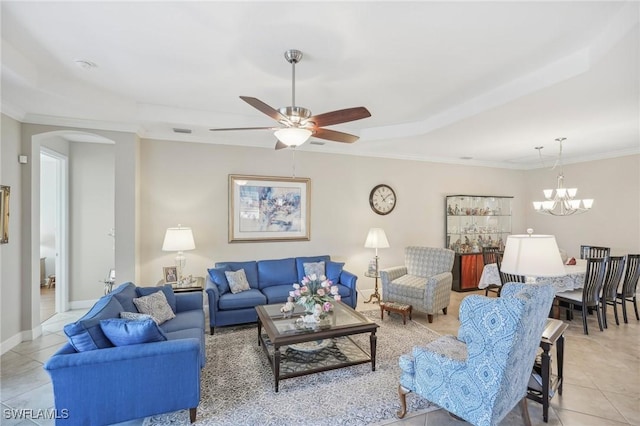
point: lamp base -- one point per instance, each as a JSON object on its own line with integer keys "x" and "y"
{"x": 375, "y": 291}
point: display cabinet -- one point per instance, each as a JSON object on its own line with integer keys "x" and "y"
{"x": 474, "y": 222}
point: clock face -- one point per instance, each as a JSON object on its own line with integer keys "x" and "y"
{"x": 382, "y": 199}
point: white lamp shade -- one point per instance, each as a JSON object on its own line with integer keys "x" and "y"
{"x": 178, "y": 239}
{"x": 376, "y": 239}
{"x": 534, "y": 256}
{"x": 293, "y": 136}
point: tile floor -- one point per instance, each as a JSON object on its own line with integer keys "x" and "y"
{"x": 602, "y": 375}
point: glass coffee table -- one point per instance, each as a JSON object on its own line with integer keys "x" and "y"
{"x": 296, "y": 349}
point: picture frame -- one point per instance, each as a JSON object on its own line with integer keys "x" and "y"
{"x": 5, "y": 191}
{"x": 170, "y": 274}
{"x": 269, "y": 208}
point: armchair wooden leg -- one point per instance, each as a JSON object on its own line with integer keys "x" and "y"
{"x": 192, "y": 414}
{"x": 402, "y": 393}
{"x": 430, "y": 318}
{"x": 525, "y": 412}
{"x": 444, "y": 311}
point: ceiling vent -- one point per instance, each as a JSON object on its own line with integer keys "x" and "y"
{"x": 179, "y": 130}
{"x": 316, "y": 143}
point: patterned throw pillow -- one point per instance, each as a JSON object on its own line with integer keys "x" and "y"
{"x": 314, "y": 268}
{"x": 155, "y": 305}
{"x": 135, "y": 316}
{"x": 237, "y": 281}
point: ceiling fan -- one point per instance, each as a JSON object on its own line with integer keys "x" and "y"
{"x": 297, "y": 124}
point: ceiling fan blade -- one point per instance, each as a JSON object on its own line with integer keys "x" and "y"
{"x": 340, "y": 116}
{"x": 334, "y": 135}
{"x": 280, "y": 145}
{"x": 243, "y": 128}
{"x": 265, "y": 109}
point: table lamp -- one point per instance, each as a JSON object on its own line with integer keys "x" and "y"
{"x": 179, "y": 239}
{"x": 532, "y": 256}
{"x": 376, "y": 239}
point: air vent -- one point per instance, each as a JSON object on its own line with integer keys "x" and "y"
{"x": 316, "y": 143}
{"x": 178, "y": 130}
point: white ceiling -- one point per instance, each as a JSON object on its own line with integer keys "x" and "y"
{"x": 442, "y": 80}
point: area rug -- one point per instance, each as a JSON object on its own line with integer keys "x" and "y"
{"x": 237, "y": 383}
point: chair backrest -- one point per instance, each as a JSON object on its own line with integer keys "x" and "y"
{"x": 593, "y": 280}
{"x": 593, "y": 251}
{"x": 632, "y": 275}
{"x": 502, "y": 337}
{"x": 489, "y": 254}
{"x": 428, "y": 261}
{"x": 615, "y": 268}
{"x": 506, "y": 277}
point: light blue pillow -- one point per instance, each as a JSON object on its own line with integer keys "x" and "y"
{"x": 219, "y": 278}
{"x": 316, "y": 268}
{"x": 123, "y": 332}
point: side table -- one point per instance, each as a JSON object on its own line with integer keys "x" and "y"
{"x": 196, "y": 285}
{"x": 553, "y": 334}
{"x": 375, "y": 294}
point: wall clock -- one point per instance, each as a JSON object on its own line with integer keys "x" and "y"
{"x": 382, "y": 199}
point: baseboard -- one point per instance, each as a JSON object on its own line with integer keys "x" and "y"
{"x": 18, "y": 338}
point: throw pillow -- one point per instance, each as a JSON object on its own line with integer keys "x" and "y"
{"x": 135, "y": 316}
{"x": 314, "y": 268}
{"x": 219, "y": 278}
{"x": 237, "y": 281}
{"x": 123, "y": 332}
{"x": 155, "y": 305}
{"x": 167, "y": 289}
{"x": 334, "y": 269}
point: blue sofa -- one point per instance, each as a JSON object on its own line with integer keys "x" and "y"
{"x": 97, "y": 383}
{"x": 270, "y": 282}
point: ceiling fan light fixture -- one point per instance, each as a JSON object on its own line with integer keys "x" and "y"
{"x": 293, "y": 136}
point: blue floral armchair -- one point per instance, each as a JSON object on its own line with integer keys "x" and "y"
{"x": 481, "y": 375}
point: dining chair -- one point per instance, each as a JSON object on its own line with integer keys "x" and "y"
{"x": 506, "y": 277}
{"x": 489, "y": 255}
{"x": 615, "y": 268}
{"x": 629, "y": 285}
{"x": 589, "y": 295}
{"x": 593, "y": 251}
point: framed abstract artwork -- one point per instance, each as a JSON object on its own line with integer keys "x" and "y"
{"x": 4, "y": 214}
{"x": 267, "y": 208}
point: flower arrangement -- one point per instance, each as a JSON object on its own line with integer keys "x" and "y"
{"x": 316, "y": 294}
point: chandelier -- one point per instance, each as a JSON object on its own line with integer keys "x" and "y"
{"x": 561, "y": 201}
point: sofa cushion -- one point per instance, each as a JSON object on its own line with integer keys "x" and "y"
{"x": 86, "y": 334}
{"x": 300, "y": 261}
{"x": 246, "y": 299}
{"x": 237, "y": 281}
{"x": 250, "y": 270}
{"x": 191, "y": 333}
{"x": 125, "y": 294}
{"x": 167, "y": 289}
{"x": 314, "y": 268}
{"x": 124, "y": 332}
{"x": 277, "y": 293}
{"x": 219, "y": 278}
{"x": 155, "y": 305}
{"x": 277, "y": 272}
{"x": 333, "y": 271}
{"x": 186, "y": 319}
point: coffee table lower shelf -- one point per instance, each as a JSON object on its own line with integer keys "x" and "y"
{"x": 287, "y": 362}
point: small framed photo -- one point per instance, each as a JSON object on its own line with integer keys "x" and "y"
{"x": 170, "y": 274}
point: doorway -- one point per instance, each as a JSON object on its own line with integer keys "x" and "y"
{"x": 53, "y": 252}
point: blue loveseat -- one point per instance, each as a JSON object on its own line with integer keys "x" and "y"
{"x": 270, "y": 282}
{"x": 97, "y": 383}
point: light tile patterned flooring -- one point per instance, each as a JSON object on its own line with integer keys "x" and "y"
{"x": 602, "y": 374}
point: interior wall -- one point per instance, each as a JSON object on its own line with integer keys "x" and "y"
{"x": 91, "y": 218}
{"x": 614, "y": 220}
{"x": 11, "y": 254}
{"x": 187, "y": 183}
{"x": 48, "y": 213}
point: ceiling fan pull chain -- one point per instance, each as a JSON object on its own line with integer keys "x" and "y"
{"x": 293, "y": 161}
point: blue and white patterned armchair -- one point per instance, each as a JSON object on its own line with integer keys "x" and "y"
{"x": 424, "y": 282}
{"x": 481, "y": 375}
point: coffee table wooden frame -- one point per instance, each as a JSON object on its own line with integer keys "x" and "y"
{"x": 273, "y": 337}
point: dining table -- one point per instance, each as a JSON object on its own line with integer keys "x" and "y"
{"x": 572, "y": 280}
